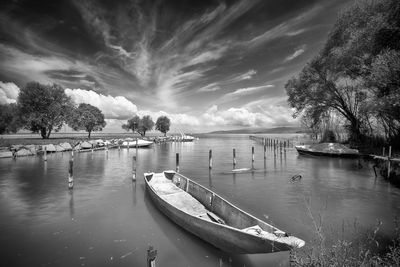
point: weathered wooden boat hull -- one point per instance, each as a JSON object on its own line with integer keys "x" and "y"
{"x": 227, "y": 238}
{"x": 326, "y": 154}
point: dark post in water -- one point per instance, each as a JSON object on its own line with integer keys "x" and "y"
{"x": 252, "y": 156}
{"x": 177, "y": 162}
{"x": 134, "y": 168}
{"x": 234, "y": 158}
{"x": 71, "y": 174}
{"x": 210, "y": 159}
{"x": 45, "y": 153}
{"x": 151, "y": 257}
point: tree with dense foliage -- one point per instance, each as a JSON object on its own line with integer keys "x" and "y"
{"x": 162, "y": 124}
{"x": 86, "y": 117}
{"x": 43, "y": 108}
{"x": 9, "y": 122}
{"x": 132, "y": 124}
{"x": 145, "y": 124}
{"x": 355, "y": 76}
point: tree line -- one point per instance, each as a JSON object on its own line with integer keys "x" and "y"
{"x": 44, "y": 109}
{"x": 354, "y": 80}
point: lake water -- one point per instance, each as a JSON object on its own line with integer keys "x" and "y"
{"x": 108, "y": 220}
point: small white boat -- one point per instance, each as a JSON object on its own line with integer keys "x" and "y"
{"x": 139, "y": 143}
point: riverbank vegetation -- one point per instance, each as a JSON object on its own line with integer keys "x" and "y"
{"x": 353, "y": 84}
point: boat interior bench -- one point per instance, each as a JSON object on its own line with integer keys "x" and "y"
{"x": 177, "y": 197}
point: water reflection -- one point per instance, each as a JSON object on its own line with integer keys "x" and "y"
{"x": 106, "y": 205}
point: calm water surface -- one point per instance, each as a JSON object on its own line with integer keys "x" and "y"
{"x": 109, "y": 221}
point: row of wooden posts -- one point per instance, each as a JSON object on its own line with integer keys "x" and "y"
{"x": 234, "y": 162}
{"x": 71, "y": 165}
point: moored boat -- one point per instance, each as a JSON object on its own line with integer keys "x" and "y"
{"x": 212, "y": 218}
{"x": 327, "y": 149}
{"x": 139, "y": 143}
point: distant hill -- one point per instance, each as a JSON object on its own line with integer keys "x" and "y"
{"x": 276, "y": 130}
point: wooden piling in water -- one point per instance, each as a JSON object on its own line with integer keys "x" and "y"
{"x": 92, "y": 148}
{"x": 252, "y": 156}
{"x": 134, "y": 168}
{"x": 389, "y": 155}
{"x": 383, "y": 151}
{"x": 177, "y": 162}
{"x": 71, "y": 174}
{"x": 234, "y": 158}
{"x": 151, "y": 257}
{"x": 210, "y": 159}
{"x": 45, "y": 153}
{"x": 265, "y": 152}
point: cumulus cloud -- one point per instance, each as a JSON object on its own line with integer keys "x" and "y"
{"x": 112, "y": 107}
{"x": 296, "y": 53}
{"x": 235, "y": 117}
{"x": 176, "y": 118}
{"x": 8, "y": 93}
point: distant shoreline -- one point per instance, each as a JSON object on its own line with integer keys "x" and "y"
{"x": 276, "y": 130}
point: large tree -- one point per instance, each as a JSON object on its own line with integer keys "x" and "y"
{"x": 87, "y": 117}
{"x": 43, "y": 108}
{"x": 132, "y": 124}
{"x": 162, "y": 124}
{"x": 355, "y": 75}
{"x": 145, "y": 124}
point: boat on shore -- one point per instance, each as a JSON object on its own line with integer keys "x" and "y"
{"x": 138, "y": 143}
{"x": 212, "y": 218}
{"x": 327, "y": 149}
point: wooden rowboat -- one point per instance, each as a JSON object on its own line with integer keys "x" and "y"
{"x": 328, "y": 149}
{"x": 212, "y": 218}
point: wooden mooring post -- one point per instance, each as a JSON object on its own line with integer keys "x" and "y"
{"x": 252, "y": 156}
{"x": 210, "y": 159}
{"x": 134, "y": 168}
{"x": 71, "y": 174}
{"x": 383, "y": 151}
{"x": 265, "y": 151}
{"x": 151, "y": 257}
{"x": 177, "y": 162}
{"x": 45, "y": 153}
{"x": 234, "y": 158}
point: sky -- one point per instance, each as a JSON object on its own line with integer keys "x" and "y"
{"x": 207, "y": 65}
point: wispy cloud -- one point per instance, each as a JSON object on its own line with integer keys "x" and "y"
{"x": 248, "y": 90}
{"x": 287, "y": 28}
{"x": 297, "y": 53}
{"x": 209, "y": 88}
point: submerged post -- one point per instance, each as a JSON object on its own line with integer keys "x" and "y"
{"x": 389, "y": 155}
{"x": 383, "y": 151}
{"x": 265, "y": 151}
{"x": 252, "y": 156}
{"x": 134, "y": 168}
{"x": 151, "y": 257}
{"x": 71, "y": 174}
{"x": 92, "y": 148}
{"x": 177, "y": 162}
{"x": 210, "y": 159}
{"x": 234, "y": 158}
{"x": 45, "y": 153}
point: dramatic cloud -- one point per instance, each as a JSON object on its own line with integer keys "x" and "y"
{"x": 296, "y": 53}
{"x": 113, "y": 107}
{"x": 167, "y": 57}
{"x": 8, "y": 93}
